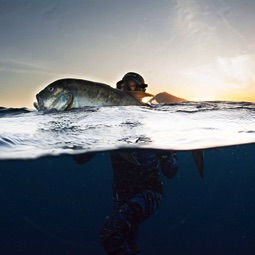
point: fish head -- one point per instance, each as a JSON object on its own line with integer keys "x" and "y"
{"x": 53, "y": 97}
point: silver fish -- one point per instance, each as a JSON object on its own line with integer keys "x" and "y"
{"x": 71, "y": 93}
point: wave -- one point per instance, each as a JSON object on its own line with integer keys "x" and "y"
{"x": 26, "y": 134}
{"x": 9, "y": 112}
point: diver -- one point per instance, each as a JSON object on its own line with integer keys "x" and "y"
{"x": 137, "y": 186}
{"x": 132, "y": 82}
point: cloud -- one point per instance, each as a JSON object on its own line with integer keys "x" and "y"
{"x": 224, "y": 74}
{"x": 230, "y": 17}
{"x": 19, "y": 66}
{"x": 193, "y": 22}
{"x": 238, "y": 69}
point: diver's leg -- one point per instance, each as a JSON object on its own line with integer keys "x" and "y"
{"x": 113, "y": 236}
{"x": 119, "y": 233}
{"x": 141, "y": 207}
{"x": 133, "y": 247}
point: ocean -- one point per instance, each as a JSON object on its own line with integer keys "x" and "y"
{"x": 51, "y": 205}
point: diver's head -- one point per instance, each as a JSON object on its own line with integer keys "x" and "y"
{"x": 132, "y": 82}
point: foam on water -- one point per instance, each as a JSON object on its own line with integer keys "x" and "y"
{"x": 26, "y": 134}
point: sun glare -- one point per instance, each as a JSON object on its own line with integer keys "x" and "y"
{"x": 223, "y": 79}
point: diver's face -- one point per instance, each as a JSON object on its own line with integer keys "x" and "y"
{"x": 131, "y": 85}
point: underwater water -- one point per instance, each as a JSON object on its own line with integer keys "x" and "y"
{"x": 52, "y": 205}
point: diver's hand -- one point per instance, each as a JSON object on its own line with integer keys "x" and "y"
{"x": 169, "y": 164}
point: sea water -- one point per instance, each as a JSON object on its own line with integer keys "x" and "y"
{"x": 27, "y": 134}
{"x": 51, "y": 205}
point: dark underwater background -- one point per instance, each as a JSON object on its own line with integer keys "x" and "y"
{"x": 54, "y": 206}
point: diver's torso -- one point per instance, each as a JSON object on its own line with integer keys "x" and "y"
{"x": 135, "y": 171}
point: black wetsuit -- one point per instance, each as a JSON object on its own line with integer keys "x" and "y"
{"x": 137, "y": 192}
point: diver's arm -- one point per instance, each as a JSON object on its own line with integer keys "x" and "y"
{"x": 169, "y": 164}
{"x": 83, "y": 158}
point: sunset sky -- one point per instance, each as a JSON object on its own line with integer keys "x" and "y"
{"x": 195, "y": 49}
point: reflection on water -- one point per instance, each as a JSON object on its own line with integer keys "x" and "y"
{"x": 183, "y": 126}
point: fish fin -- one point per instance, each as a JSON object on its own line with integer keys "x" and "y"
{"x": 64, "y": 102}
{"x": 198, "y": 156}
{"x": 139, "y": 95}
{"x": 36, "y": 106}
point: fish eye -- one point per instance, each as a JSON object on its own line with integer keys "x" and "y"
{"x": 50, "y": 89}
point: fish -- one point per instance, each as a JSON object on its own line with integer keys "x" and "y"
{"x": 71, "y": 93}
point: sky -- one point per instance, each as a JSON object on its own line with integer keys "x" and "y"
{"x": 194, "y": 49}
